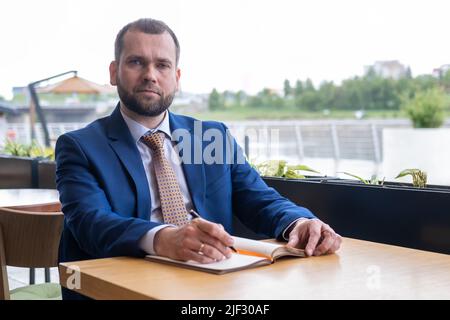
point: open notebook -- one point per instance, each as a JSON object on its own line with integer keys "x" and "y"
{"x": 250, "y": 253}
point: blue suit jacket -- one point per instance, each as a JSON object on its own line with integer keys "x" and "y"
{"x": 105, "y": 194}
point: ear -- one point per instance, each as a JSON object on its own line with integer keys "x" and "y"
{"x": 177, "y": 76}
{"x": 113, "y": 73}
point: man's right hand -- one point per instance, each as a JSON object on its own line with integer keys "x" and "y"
{"x": 200, "y": 240}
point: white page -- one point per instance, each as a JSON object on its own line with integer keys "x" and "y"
{"x": 264, "y": 248}
{"x": 235, "y": 261}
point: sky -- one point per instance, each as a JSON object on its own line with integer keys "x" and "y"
{"x": 226, "y": 44}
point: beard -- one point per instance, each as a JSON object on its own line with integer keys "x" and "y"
{"x": 141, "y": 105}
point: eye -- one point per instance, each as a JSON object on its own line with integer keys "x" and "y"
{"x": 136, "y": 62}
{"x": 163, "y": 65}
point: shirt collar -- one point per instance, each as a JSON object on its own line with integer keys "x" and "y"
{"x": 137, "y": 130}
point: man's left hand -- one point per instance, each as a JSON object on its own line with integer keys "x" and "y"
{"x": 316, "y": 237}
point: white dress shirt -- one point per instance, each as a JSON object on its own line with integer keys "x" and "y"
{"x": 137, "y": 130}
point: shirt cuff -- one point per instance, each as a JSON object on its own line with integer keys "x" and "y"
{"x": 285, "y": 235}
{"x": 146, "y": 242}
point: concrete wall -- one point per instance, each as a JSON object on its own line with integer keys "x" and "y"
{"x": 424, "y": 149}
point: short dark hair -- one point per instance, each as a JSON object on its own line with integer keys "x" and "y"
{"x": 146, "y": 25}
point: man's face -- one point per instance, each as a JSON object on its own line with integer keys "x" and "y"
{"x": 146, "y": 74}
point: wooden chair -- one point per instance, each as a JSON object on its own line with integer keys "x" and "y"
{"x": 29, "y": 239}
{"x": 45, "y": 207}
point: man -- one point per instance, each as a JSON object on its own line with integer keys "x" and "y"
{"x": 125, "y": 192}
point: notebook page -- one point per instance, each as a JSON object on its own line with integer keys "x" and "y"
{"x": 264, "y": 248}
{"x": 235, "y": 261}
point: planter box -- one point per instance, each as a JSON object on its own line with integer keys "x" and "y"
{"x": 47, "y": 174}
{"x": 22, "y": 172}
{"x": 395, "y": 213}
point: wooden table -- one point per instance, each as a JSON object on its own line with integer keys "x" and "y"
{"x": 360, "y": 270}
{"x": 27, "y": 197}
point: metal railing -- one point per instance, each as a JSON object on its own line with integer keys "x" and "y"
{"x": 334, "y": 139}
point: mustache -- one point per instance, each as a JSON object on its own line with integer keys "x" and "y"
{"x": 148, "y": 88}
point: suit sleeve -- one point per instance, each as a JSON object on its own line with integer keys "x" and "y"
{"x": 99, "y": 231}
{"x": 258, "y": 206}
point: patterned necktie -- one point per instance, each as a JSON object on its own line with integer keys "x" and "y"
{"x": 172, "y": 204}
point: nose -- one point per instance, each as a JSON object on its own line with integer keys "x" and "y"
{"x": 149, "y": 73}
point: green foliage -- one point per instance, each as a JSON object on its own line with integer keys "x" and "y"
{"x": 425, "y": 82}
{"x": 369, "y": 93}
{"x": 310, "y": 101}
{"x": 240, "y": 98}
{"x": 287, "y": 88}
{"x": 298, "y": 91}
{"x": 32, "y": 150}
{"x": 279, "y": 168}
{"x": 266, "y": 98}
{"x": 15, "y": 149}
{"x": 327, "y": 94}
{"x": 309, "y": 86}
{"x": 215, "y": 101}
{"x": 426, "y": 109}
{"x": 373, "y": 180}
{"x": 445, "y": 81}
{"x": 419, "y": 177}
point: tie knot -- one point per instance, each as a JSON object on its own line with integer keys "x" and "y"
{"x": 154, "y": 141}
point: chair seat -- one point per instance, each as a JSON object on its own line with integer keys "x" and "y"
{"x": 43, "y": 291}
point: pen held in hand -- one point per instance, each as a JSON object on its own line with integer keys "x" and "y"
{"x": 195, "y": 215}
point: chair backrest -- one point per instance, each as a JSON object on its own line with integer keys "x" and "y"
{"x": 31, "y": 239}
{"x": 45, "y": 207}
{"x": 28, "y": 239}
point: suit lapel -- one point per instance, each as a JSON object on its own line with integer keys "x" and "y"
{"x": 193, "y": 171}
{"x": 124, "y": 146}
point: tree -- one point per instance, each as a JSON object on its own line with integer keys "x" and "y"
{"x": 425, "y": 82}
{"x": 239, "y": 98}
{"x": 255, "y": 101}
{"x": 408, "y": 74}
{"x": 426, "y": 109}
{"x": 215, "y": 101}
{"x": 309, "y": 86}
{"x": 266, "y": 98}
{"x": 327, "y": 95}
{"x": 298, "y": 88}
{"x": 370, "y": 73}
{"x": 228, "y": 99}
{"x": 445, "y": 81}
{"x": 287, "y": 88}
{"x": 352, "y": 95}
{"x": 310, "y": 100}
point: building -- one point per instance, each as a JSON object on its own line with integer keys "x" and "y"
{"x": 389, "y": 69}
{"x": 6, "y": 109}
{"x": 189, "y": 102}
{"x": 441, "y": 71}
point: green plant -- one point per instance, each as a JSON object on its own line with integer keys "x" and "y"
{"x": 426, "y": 109}
{"x": 15, "y": 149}
{"x": 33, "y": 150}
{"x": 280, "y": 168}
{"x": 373, "y": 180}
{"x": 419, "y": 177}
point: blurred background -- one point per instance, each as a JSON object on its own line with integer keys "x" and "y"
{"x": 355, "y": 86}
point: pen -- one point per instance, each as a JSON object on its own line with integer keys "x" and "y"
{"x": 195, "y": 215}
